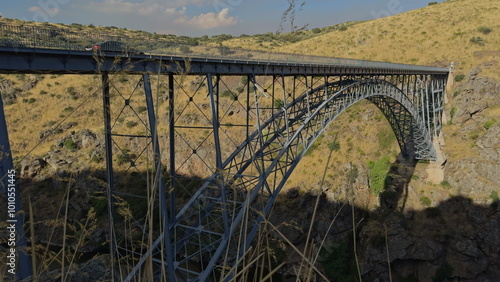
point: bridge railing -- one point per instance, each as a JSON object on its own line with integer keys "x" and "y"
{"x": 75, "y": 40}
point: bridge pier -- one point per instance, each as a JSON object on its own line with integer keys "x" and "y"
{"x": 436, "y": 169}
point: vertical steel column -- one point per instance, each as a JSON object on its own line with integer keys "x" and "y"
{"x": 109, "y": 168}
{"x": 433, "y": 98}
{"x": 159, "y": 177}
{"x": 6, "y": 169}
{"x": 273, "y": 99}
{"x": 218, "y": 153}
{"x": 428, "y": 119}
{"x": 171, "y": 118}
{"x": 285, "y": 109}
{"x": 441, "y": 99}
{"x": 248, "y": 109}
{"x": 307, "y": 96}
{"x": 326, "y": 87}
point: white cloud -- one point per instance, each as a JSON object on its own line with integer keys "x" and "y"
{"x": 49, "y": 11}
{"x": 209, "y": 20}
{"x": 157, "y": 12}
{"x": 147, "y": 7}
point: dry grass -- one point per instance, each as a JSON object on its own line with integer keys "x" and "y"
{"x": 434, "y": 35}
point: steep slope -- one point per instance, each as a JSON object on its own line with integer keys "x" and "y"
{"x": 434, "y": 35}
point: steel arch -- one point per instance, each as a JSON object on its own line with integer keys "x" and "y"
{"x": 246, "y": 186}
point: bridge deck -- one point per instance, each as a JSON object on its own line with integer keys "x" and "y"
{"x": 36, "y": 60}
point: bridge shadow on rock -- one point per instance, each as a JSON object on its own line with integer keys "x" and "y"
{"x": 396, "y": 182}
{"x": 455, "y": 240}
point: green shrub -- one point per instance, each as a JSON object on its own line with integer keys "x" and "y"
{"x": 432, "y": 3}
{"x": 425, "y": 201}
{"x": 445, "y": 184}
{"x": 228, "y": 94}
{"x": 474, "y": 136}
{"x": 100, "y": 204}
{"x": 459, "y": 77}
{"x": 131, "y": 124}
{"x": 477, "y": 40}
{"x": 378, "y": 173}
{"x": 453, "y": 112}
{"x": 494, "y": 196}
{"x": 31, "y": 100}
{"x": 484, "y": 29}
{"x": 316, "y": 30}
{"x": 69, "y": 145}
{"x": 125, "y": 157}
{"x": 489, "y": 123}
{"x": 141, "y": 109}
{"x": 43, "y": 92}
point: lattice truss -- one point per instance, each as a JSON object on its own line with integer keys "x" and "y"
{"x": 233, "y": 143}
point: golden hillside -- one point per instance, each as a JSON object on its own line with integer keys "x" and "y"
{"x": 455, "y": 30}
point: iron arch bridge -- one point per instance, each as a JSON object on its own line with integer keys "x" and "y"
{"x": 234, "y": 131}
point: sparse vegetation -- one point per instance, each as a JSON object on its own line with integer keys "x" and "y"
{"x": 131, "y": 123}
{"x": 494, "y": 196}
{"x": 487, "y": 125}
{"x": 445, "y": 184}
{"x": 184, "y": 49}
{"x": 316, "y": 30}
{"x": 378, "y": 173}
{"x": 425, "y": 201}
{"x": 484, "y": 30}
{"x": 459, "y": 77}
{"x": 386, "y": 137}
{"x": 477, "y": 40}
{"x": 453, "y": 111}
{"x": 70, "y": 145}
{"x": 141, "y": 109}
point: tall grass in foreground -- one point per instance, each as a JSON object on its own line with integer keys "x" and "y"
{"x": 261, "y": 261}
{"x": 43, "y": 256}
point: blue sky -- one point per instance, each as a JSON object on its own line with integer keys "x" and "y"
{"x": 204, "y": 17}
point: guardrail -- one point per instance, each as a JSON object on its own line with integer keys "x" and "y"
{"x": 69, "y": 39}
